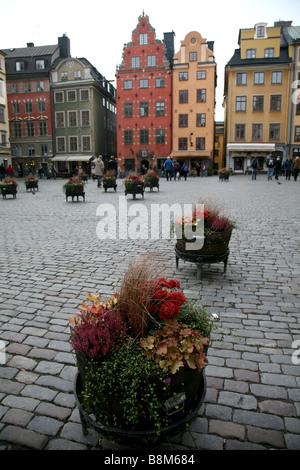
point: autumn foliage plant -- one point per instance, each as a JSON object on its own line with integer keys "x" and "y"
{"x": 134, "y": 344}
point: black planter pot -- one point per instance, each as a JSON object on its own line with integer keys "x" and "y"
{"x": 215, "y": 243}
{"x": 179, "y": 420}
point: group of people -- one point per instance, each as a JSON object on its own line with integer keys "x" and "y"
{"x": 277, "y": 167}
{"x": 6, "y": 172}
{"x": 172, "y": 169}
{"x": 112, "y": 166}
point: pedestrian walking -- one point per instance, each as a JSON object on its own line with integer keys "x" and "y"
{"x": 99, "y": 170}
{"x": 112, "y": 165}
{"x": 270, "y": 166}
{"x": 2, "y": 171}
{"x": 175, "y": 169}
{"x": 9, "y": 171}
{"x": 203, "y": 170}
{"x": 169, "y": 168}
{"x": 288, "y": 168}
{"x": 185, "y": 170}
{"x": 295, "y": 167}
{"x": 254, "y": 166}
{"x": 277, "y": 167}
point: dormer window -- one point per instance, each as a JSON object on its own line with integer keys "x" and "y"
{"x": 40, "y": 65}
{"x": 19, "y": 66}
{"x": 143, "y": 39}
{"x": 261, "y": 31}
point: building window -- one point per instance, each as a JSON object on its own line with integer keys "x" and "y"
{"x": 77, "y": 74}
{"x": 275, "y": 103}
{"x": 297, "y": 134}
{"x": 269, "y": 52}
{"x": 183, "y": 96}
{"x": 128, "y": 109}
{"x": 240, "y": 103}
{"x": 201, "y": 120}
{"x": 151, "y": 60}
{"x": 159, "y": 108}
{"x": 259, "y": 78}
{"x": 183, "y": 76}
{"x": 193, "y": 56}
{"x": 183, "y": 120}
{"x": 14, "y": 88}
{"x": 127, "y": 84}
{"x": 2, "y": 116}
{"x": 201, "y": 95}
{"x": 135, "y": 62}
{"x": 71, "y": 95}
{"x": 257, "y": 132}
{"x": 17, "y": 129}
{"x": 182, "y": 143}
{"x": 258, "y": 103}
{"x": 276, "y": 78}
{"x": 240, "y": 131}
{"x": 27, "y": 87}
{"x": 28, "y": 108}
{"x": 160, "y": 136}
{"x": 41, "y": 86}
{"x": 200, "y": 143}
{"x": 40, "y": 65}
{"x": 72, "y": 117}
{"x": 44, "y": 150}
{"x": 64, "y": 75}
{"x": 128, "y": 137}
{"x": 59, "y": 97}
{"x": 85, "y": 118}
{"x": 29, "y": 128}
{"x": 16, "y": 108}
{"x": 143, "y": 39}
{"x": 159, "y": 82}
{"x": 42, "y": 128}
{"x": 201, "y": 74}
{"x": 144, "y": 136}
{"x": 86, "y": 143}
{"x": 298, "y": 109}
{"x": 19, "y": 66}
{"x": 73, "y": 144}
{"x": 30, "y": 151}
{"x": 144, "y": 83}
{"x": 61, "y": 144}
{"x": 84, "y": 95}
{"x": 144, "y": 108}
{"x": 60, "y": 119}
{"x": 250, "y": 53}
{"x": 241, "y": 78}
{"x": 41, "y": 106}
{"x": 260, "y": 31}
{"x": 274, "y": 131}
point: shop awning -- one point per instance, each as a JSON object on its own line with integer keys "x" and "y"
{"x": 256, "y": 147}
{"x": 73, "y": 158}
{"x": 191, "y": 153}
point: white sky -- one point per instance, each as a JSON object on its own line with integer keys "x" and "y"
{"x": 99, "y": 29}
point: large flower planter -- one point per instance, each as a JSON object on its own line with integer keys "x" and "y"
{"x": 180, "y": 415}
{"x": 134, "y": 189}
{"x": 152, "y": 183}
{"x": 31, "y": 185}
{"x": 214, "y": 250}
{"x": 9, "y": 189}
{"x": 75, "y": 191}
{"x": 111, "y": 183}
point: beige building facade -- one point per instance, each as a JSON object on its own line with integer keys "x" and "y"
{"x": 194, "y": 82}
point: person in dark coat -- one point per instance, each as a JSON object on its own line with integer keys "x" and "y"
{"x": 277, "y": 167}
{"x": 288, "y": 168}
{"x": 112, "y": 165}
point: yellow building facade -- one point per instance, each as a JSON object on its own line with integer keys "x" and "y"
{"x": 5, "y": 155}
{"x": 194, "y": 82}
{"x": 257, "y": 97}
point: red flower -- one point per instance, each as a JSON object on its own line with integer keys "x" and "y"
{"x": 177, "y": 298}
{"x": 169, "y": 310}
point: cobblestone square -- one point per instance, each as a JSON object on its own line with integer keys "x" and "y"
{"x": 50, "y": 257}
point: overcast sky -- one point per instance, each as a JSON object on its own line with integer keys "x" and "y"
{"x": 99, "y": 29}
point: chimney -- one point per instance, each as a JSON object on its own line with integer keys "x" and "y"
{"x": 169, "y": 42}
{"x": 30, "y": 44}
{"x": 64, "y": 45}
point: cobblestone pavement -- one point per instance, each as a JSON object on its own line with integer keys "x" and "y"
{"x": 50, "y": 258}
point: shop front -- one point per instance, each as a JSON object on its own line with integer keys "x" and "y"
{"x": 239, "y": 156}
{"x": 68, "y": 165}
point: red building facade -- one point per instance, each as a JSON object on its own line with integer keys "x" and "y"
{"x": 144, "y": 100}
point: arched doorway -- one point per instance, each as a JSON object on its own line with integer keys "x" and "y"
{"x": 144, "y": 167}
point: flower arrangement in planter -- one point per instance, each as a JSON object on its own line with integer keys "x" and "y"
{"x": 134, "y": 185}
{"x": 224, "y": 174}
{"x": 151, "y": 180}
{"x": 83, "y": 177}
{"x": 31, "y": 183}
{"x": 217, "y": 230}
{"x": 109, "y": 180}
{"x": 74, "y": 187}
{"x": 8, "y": 186}
{"x": 140, "y": 361}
